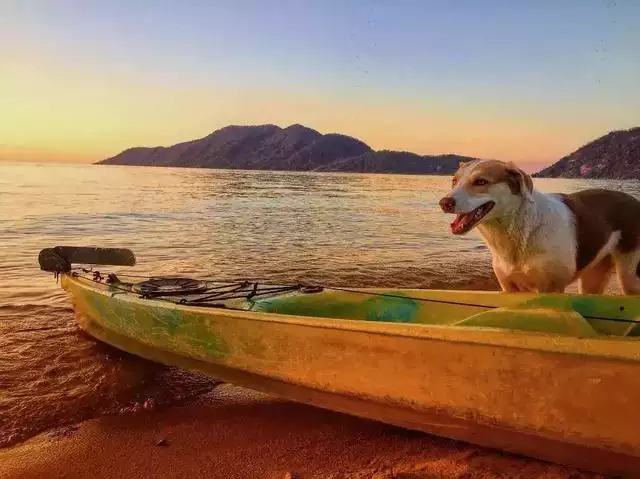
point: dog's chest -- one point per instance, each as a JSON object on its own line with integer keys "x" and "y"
{"x": 526, "y": 261}
{"x": 534, "y": 248}
{"x": 530, "y": 236}
{"x": 535, "y": 273}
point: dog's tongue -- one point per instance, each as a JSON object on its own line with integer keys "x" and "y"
{"x": 461, "y": 221}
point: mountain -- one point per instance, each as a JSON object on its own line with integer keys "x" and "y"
{"x": 615, "y": 155}
{"x": 386, "y": 161}
{"x": 295, "y": 148}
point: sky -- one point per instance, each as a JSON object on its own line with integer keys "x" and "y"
{"x": 527, "y": 81}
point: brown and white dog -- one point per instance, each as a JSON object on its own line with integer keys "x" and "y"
{"x": 544, "y": 242}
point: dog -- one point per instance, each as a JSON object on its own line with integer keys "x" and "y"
{"x": 541, "y": 242}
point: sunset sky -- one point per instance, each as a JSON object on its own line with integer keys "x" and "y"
{"x": 528, "y": 81}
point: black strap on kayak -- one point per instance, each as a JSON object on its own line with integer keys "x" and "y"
{"x": 215, "y": 292}
{"x": 238, "y": 295}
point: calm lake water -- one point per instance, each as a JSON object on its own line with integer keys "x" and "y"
{"x": 335, "y": 229}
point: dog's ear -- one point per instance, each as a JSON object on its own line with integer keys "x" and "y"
{"x": 519, "y": 181}
{"x": 465, "y": 164}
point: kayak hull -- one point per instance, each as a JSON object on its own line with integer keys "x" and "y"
{"x": 564, "y": 399}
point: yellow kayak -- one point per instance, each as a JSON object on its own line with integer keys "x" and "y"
{"x": 548, "y": 376}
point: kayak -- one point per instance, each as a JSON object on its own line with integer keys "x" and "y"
{"x": 550, "y": 376}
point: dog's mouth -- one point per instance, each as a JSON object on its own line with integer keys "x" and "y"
{"x": 464, "y": 222}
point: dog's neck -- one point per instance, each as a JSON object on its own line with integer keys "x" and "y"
{"x": 509, "y": 235}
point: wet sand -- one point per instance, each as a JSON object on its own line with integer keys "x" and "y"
{"x": 232, "y": 432}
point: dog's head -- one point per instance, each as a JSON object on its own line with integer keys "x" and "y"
{"x": 485, "y": 189}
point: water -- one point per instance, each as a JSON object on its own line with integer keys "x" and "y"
{"x": 336, "y": 229}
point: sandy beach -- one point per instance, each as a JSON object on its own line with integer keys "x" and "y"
{"x": 236, "y": 433}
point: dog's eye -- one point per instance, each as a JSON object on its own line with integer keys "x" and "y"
{"x": 479, "y": 182}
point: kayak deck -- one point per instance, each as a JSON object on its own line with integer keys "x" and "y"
{"x": 565, "y": 314}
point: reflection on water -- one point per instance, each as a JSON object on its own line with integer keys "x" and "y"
{"x": 339, "y": 229}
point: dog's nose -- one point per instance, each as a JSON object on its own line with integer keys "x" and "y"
{"x": 447, "y": 204}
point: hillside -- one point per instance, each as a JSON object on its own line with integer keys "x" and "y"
{"x": 295, "y": 148}
{"x": 386, "y": 161}
{"x": 615, "y": 155}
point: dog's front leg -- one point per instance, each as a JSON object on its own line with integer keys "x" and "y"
{"x": 506, "y": 284}
{"x": 548, "y": 276}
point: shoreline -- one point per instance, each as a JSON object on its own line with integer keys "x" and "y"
{"x": 232, "y": 432}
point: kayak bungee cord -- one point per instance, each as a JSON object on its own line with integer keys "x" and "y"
{"x": 238, "y": 290}
{"x": 234, "y": 290}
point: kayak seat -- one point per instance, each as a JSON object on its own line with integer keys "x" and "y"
{"x": 562, "y": 321}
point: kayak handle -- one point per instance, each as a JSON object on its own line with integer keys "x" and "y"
{"x": 60, "y": 258}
